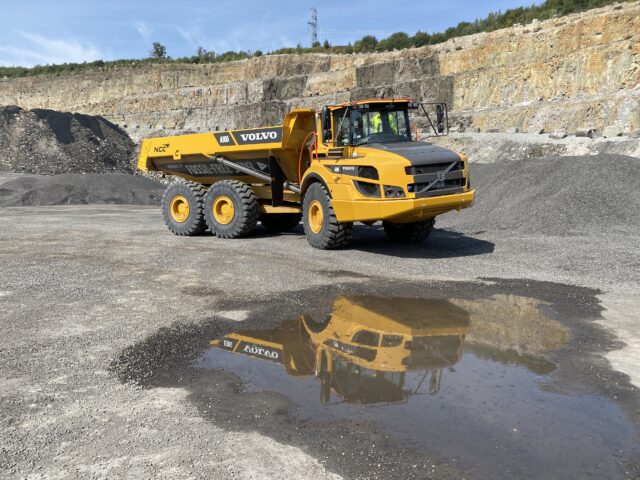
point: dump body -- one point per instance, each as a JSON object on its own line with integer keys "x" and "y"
{"x": 189, "y": 156}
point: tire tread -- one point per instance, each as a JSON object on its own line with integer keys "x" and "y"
{"x": 248, "y": 218}
{"x": 198, "y": 225}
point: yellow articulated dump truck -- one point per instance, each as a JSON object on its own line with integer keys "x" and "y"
{"x": 363, "y": 350}
{"x": 354, "y": 162}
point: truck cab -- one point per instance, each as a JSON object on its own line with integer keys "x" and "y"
{"x": 374, "y": 168}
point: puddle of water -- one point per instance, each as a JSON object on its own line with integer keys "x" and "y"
{"x": 465, "y": 380}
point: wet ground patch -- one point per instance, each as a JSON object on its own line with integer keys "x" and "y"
{"x": 491, "y": 379}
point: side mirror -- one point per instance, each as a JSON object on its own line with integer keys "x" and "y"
{"x": 440, "y": 118}
{"x": 326, "y": 125}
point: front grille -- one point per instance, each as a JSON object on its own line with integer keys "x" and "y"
{"x": 435, "y": 180}
{"x": 432, "y": 168}
{"x": 444, "y": 187}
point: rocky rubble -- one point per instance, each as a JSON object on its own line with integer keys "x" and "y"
{"x": 560, "y": 196}
{"x": 43, "y": 141}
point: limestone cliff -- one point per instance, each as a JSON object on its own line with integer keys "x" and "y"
{"x": 571, "y": 73}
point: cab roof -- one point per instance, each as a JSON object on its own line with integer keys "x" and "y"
{"x": 371, "y": 100}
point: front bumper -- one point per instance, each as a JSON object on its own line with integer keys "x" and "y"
{"x": 401, "y": 211}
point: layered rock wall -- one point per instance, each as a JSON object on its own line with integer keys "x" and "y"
{"x": 572, "y": 73}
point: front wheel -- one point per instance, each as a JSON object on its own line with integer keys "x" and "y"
{"x": 321, "y": 226}
{"x": 415, "y": 232}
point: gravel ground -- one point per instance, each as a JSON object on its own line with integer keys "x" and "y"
{"x": 80, "y": 284}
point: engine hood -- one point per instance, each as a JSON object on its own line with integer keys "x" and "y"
{"x": 418, "y": 153}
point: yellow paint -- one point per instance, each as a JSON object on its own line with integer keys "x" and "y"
{"x": 269, "y": 209}
{"x": 223, "y": 210}
{"x": 179, "y": 209}
{"x": 316, "y": 216}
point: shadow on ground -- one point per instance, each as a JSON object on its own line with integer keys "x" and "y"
{"x": 441, "y": 244}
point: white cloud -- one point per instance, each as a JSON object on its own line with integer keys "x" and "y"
{"x": 38, "y": 49}
{"x": 189, "y": 37}
{"x": 144, "y": 30}
{"x": 195, "y": 37}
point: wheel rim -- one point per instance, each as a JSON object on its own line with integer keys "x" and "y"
{"x": 223, "y": 210}
{"x": 316, "y": 216}
{"x": 179, "y": 209}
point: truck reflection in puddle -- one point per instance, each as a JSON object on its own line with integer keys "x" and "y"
{"x": 470, "y": 380}
{"x": 363, "y": 350}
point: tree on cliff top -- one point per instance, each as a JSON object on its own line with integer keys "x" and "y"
{"x": 368, "y": 43}
{"x": 158, "y": 51}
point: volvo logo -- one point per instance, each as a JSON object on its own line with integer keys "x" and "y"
{"x": 258, "y": 136}
{"x": 261, "y": 351}
{"x": 441, "y": 176}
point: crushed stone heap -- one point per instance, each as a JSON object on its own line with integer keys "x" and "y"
{"x": 43, "y": 141}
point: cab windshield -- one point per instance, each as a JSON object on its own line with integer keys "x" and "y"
{"x": 373, "y": 123}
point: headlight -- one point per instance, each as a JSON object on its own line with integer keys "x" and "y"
{"x": 367, "y": 189}
{"x": 368, "y": 172}
{"x": 393, "y": 192}
{"x": 355, "y": 171}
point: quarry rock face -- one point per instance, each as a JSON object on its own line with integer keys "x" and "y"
{"x": 575, "y": 73}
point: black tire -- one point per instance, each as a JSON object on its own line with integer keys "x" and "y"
{"x": 281, "y": 222}
{"x": 331, "y": 234}
{"x": 415, "y": 232}
{"x": 182, "y": 192}
{"x": 245, "y": 209}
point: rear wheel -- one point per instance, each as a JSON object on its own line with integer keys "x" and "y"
{"x": 415, "y": 232}
{"x": 183, "y": 208}
{"x": 320, "y": 223}
{"x": 281, "y": 222}
{"x": 231, "y": 209}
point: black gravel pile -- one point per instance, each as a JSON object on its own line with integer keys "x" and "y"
{"x": 77, "y": 189}
{"x": 49, "y": 142}
{"x": 553, "y": 195}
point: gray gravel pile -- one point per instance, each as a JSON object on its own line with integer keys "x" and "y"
{"x": 554, "y": 195}
{"x": 49, "y": 142}
{"x": 77, "y": 189}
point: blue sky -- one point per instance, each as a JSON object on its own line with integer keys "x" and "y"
{"x": 41, "y": 32}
